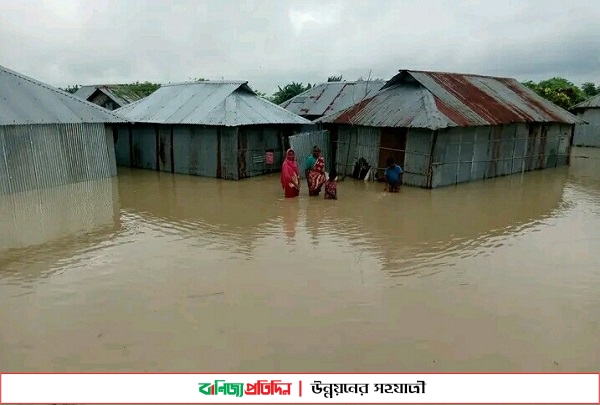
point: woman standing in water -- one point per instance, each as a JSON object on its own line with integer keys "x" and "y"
{"x": 316, "y": 177}
{"x": 290, "y": 175}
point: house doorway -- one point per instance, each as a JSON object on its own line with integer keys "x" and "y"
{"x": 392, "y": 143}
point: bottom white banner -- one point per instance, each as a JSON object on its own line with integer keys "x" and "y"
{"x": 388, "y": 388}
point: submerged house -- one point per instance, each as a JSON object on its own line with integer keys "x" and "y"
{"x": 588, "y": 133}
{"x": 49, "y": 137}
{"x": 110, "y": 96}
{"x": 219, "y": 129}
{"x": 331, "y": 97}
{"x": 449, "y": 128}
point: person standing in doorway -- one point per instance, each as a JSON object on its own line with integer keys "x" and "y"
{"x": 311, "y": 160}
{"x": 392, "y": 175}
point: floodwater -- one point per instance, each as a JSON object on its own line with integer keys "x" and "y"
{"x": 159, "y": 272}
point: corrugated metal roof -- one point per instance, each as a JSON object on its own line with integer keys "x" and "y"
{"x": 85, "y": 91}
{"x": 222, "y": 103}
{"x": 27, "y": 101}
{"x": 434, "y": 100}
{"x": 122, "y": 94}
{"x": 592, "y": 102}
{"x": 331, "y": 97}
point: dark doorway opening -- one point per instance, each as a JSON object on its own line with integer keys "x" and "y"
{"x": 392, "y": 144}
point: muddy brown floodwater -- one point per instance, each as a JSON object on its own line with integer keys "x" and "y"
{"x": 159, "y": 272}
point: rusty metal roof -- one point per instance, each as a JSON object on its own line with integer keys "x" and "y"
{"x": 24, "y": 101}
{"x": 220, "y": 103}
{"x": 592, "y": 102}
{"x": 434, "y": 100}
{"x": 331, "y": 97}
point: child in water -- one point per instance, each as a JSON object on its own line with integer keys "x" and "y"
{"x": 392, "y": 175}
{"x": 331, "y": 186}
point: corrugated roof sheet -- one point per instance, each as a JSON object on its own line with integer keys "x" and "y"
{"x": 222, "y": 103}
{"x": 434, "y": 100}
{"x": 85, "y": 91}
{"x": 122, "y": 94}
{"x": 331, "y": 97}
{"x": 24, "y": 100}
{"x": 592, "y": 102}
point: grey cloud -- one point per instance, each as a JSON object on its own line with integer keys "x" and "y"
{"x": 271, "y": 43}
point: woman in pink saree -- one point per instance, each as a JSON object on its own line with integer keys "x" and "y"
{"x": 290, "y": 175}
{"x": 316, "y": 177}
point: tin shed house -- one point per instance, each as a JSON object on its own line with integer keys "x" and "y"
{"x": 110, "y": 96}
{"x": 588, "y": 133}
{"x": 449, "y": 128}
{"x": 331, "y": 97}
{"x": 219, "y": 129}
{"x": 49, "y": 137}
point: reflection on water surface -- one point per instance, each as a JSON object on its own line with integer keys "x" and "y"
{"x": 159, "y": 272}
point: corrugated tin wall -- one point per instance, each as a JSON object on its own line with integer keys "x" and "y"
{"x": 195, "y": 150}
{"x": 355, "y": 143}
{"x": 41, "y": 156}
{"x": 475, "y": 153}
{"x": 110, "y": 134}
{"x": 303, "y": 143}
{"x": 253, "y": 144}
{"x": 416, "y": 158}
{"x": 588, "y": 134}
{"x": 143, "y": 146}
{"x": 122, "y": 147}
{"x": 228, "y": 152}
{"x": 218, "y": 152}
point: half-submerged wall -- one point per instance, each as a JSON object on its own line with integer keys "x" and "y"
{"x": 433, "y": 159}
{"x": 218, "y": 152}
{"x": 47, "y": 155}
{"x": 474, "y": 153}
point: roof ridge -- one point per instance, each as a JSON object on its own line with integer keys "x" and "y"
{"x": 58, "y": 91}
{"x": 454, "y": 73}
{"x": 189, "y": 83}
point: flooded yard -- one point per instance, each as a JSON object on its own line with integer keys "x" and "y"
{"x": 152, "y": 271}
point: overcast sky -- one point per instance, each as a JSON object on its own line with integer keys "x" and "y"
{"x": 271, "y": 43}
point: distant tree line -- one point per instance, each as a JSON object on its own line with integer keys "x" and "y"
{"x": 562, "y": 92}
{"x": 558, "y": 90}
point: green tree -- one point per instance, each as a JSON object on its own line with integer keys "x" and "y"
{"x": 590, "y": 89}
{"x": 334, "y": 78}
{"x": 290, "y": 90}
{"x": 71, "y": 89}
{"x": 558, "y": 90}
